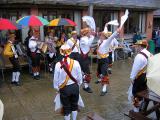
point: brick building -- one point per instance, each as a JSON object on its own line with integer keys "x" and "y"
{"x": 140, "y": 17}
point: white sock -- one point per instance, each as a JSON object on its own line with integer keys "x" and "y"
{"x": 104, "y": 88}
{"x": 13, "y": 76}
{"x": 67, "y": 117}
{"x": 109, "y": 68}
{"x": 74, "y": 115}
{"x": 50, "y": 69}
{"x": 17, "y": 76}
{"x": 99, "y": 79}
{"x": 86, "y": 85}
{"x": 35, "y": 74}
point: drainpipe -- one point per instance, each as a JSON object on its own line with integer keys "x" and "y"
{"x": 90, "y": 9}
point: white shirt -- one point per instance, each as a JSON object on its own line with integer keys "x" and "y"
{"x": 32, "y": 44}
{"x": 60, "y": 74}
{"x": 104, "y": 46}
{"x": 140, "y": 62}
{"x": 85, "y": 43}
{"x": 114, "y": 44}
{"x": 70, "y": 43}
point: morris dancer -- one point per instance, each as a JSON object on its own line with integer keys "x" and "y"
{"x": 138, "y": 73}
{"x": 85, "y": 45}
{"x": 67, "y": 79}
{"x": 73, "y": 42}
{"x": 113, "y": 46}
{"x": 35, "y": 54}
{"x": 10, "y": 51}
{"x": 103, "y": 54}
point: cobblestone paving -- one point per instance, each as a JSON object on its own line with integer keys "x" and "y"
{"x": 34, "y": 99}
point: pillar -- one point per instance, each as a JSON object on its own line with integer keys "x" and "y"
{"x": 149, "y": 24}
{"x": 121, "y": 13}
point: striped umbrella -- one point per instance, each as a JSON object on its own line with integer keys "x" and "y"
{"x": 62, "y": 22}
{"x": 32, "y": 21}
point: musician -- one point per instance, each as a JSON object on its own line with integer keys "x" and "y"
{"x": 35, "y": 54}
{"x": 73, "y": 42}
{"x": 138, "y": 72}
{"x": 103, "y": 54}
{"x": 85, "y": 45}
{"x": 67, "y": 80}
{"x": 10, "y": 51}
{"x": 50, "y": 40}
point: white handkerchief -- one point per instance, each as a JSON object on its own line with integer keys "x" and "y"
{"x": 90, "y": 22}
{"x": 124, "y": 18}
{"x": 113, "y": 22}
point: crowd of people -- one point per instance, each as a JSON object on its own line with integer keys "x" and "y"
{"x": 69, "y": 61}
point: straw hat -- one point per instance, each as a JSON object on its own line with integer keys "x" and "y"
{"x": 65, "y": 50}
{"x": 107, "y": 34}
{"x": 12, "y": 35}
{"x": 73, "y": 32}
{"x": 142, "y": 42}
{"x": 84, "y": 31}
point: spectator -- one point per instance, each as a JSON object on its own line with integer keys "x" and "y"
{"x": 137, "y": 37}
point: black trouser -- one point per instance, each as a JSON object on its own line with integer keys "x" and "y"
{"x": 140, "y": 84}
{"x": 15, "y": 63}
{"x": 69, "y": 96}
{"x": 75, "y": 56}
{"x": 110, "y": 58}
{"x": 103, "y": 66}
{"x": 51, "y": 61}
{"x": 35, "y": 57}
{"x": 85, "y": 63}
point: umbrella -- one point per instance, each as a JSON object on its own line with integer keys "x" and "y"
{"x": 62, "y": 22}
{"x": 5, "y": 24}
{"x": 153, "y": 76}
{"x": 32, "y": 21}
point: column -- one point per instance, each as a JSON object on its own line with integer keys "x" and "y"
{"x": 90, "y": 9}
{"x": 121, "y": 13}
{"x": 77, "y": 19}
{"x": 149, "y": 25}
{"x": 84, "y": 13}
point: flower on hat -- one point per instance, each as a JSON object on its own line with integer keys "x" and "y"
{"x": 65, "y": 50}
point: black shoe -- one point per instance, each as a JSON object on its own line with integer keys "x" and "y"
{"x": 36, "y": 77}
{"x": 17, "y": 83}
{"x": 97, "y": 82}
{"x": 13, "y": 82}
{"x": 103, "y": 93}
{"x": 88, "y": 89}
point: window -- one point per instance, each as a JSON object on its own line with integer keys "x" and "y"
{"x": 105, "y": 17}
{"x": 136, "y": 22}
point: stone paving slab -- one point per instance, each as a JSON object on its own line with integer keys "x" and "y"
{"x": 34, "y": 99}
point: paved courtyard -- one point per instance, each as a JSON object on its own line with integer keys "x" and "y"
{"x": 34, "y": 99}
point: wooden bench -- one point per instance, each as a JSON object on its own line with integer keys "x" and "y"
{"x": 148, "y": 96}
{"x": 6, "y": 64}
{"x": 136, "y": 116}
